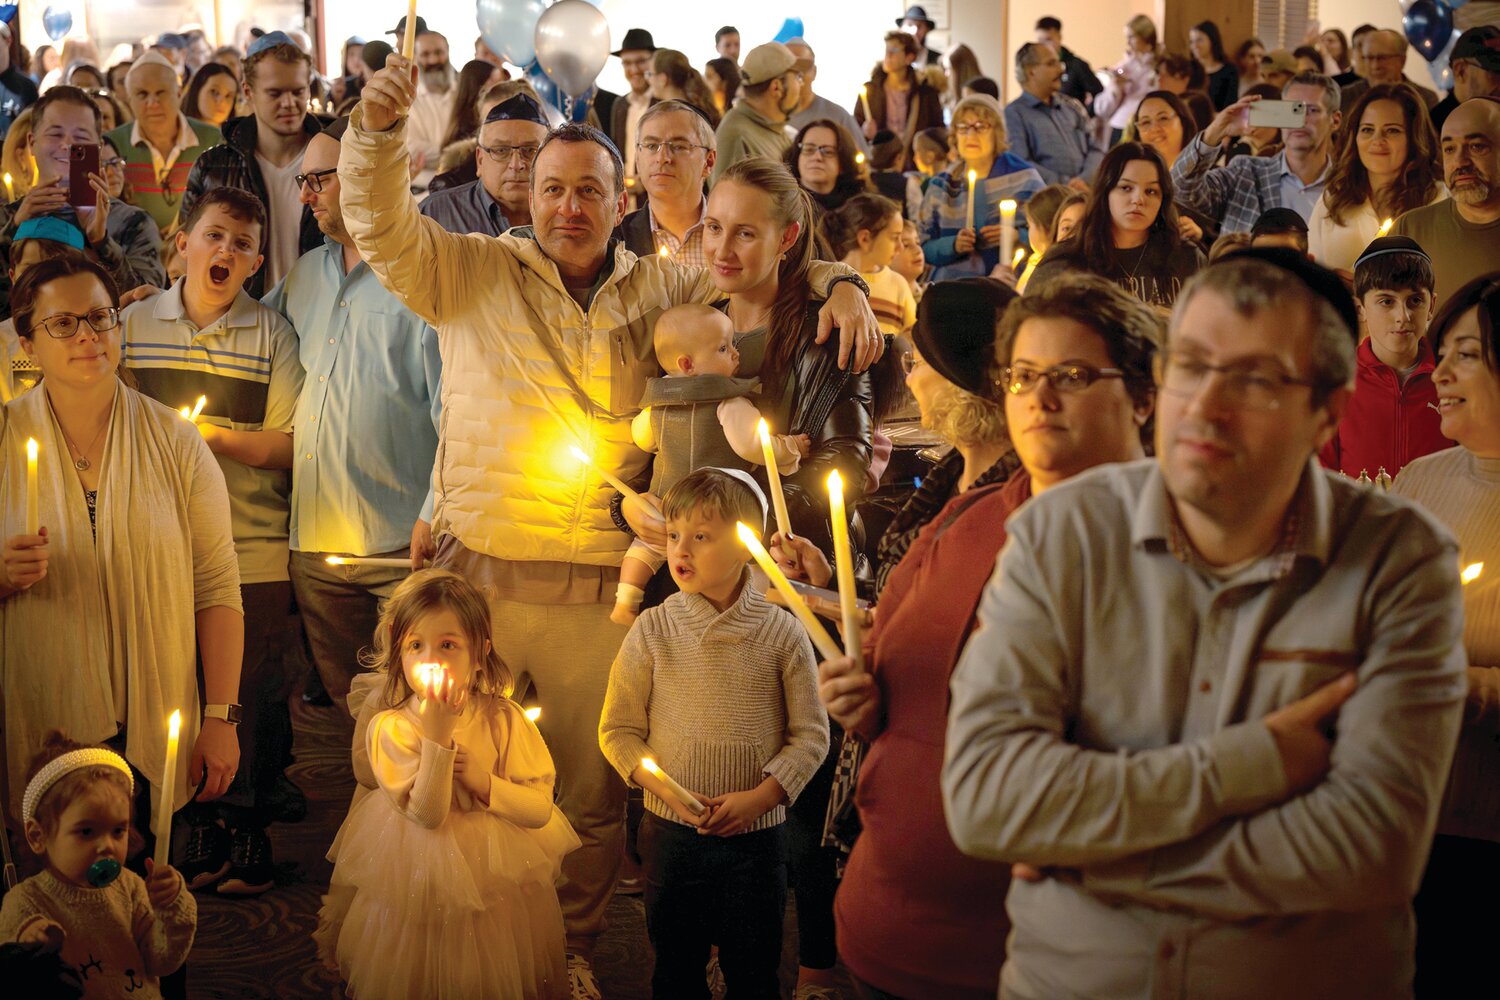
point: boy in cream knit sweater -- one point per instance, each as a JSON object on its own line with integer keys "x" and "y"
{"x": 719, "y": 688}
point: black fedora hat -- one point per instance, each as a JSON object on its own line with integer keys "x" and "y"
{"x": 636, "y": 40}
{"x": 955, "y": 330}
{"x": 916, "y": 14}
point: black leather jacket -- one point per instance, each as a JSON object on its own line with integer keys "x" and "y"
{"x": 232, "y": 164}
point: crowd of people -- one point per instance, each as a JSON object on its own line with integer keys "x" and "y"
{"x": 393, "y": 391}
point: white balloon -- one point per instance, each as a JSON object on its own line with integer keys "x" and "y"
{"x": 572, "y": 44}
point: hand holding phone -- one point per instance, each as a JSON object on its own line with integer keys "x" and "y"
{"x": 1277, "y": 114}
{"x": 83, "y": 160}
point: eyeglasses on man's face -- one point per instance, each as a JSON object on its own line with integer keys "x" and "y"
{"x": 526, "y": 151}
{"x": 1018, "y": 380}
{"x": 677, "y": 150}
{"x": 314, "y": 180}
{"x": 1250, "y": 386}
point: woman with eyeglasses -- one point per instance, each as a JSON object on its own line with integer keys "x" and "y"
{"x": 1386, "y": 163}
{"x": 954, "y": 247}
{"x": 130, "y": 579}
{"x": 1130, "y": 233}
{"x": 821, "y": 157}
{"x": 1071, "y": 379}
{"x": 1461, "y": 488}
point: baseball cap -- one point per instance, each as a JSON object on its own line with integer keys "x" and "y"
{"x": 1479, "y": 45}
{"x": 769, "y": 61}
{"x": 1280, "y": 61}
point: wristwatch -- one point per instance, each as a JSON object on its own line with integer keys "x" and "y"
{"x": 228, "y": 713}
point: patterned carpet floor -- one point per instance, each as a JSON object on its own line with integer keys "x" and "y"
{"x": 249, "y": 949}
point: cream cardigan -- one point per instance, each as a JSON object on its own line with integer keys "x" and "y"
{"x": 109, "y": 635}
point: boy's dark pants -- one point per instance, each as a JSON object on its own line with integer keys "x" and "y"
{"x": 702, "y": 891}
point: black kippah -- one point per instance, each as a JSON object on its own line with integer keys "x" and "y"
{"x": 1319, "y": 280}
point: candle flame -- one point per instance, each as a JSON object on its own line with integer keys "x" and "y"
{"x": 579, "y": 454}
{"x": 1385, "y": 227}
{"x": 1471, "y": 572}
{"x": 973, "y": 176}
{"x": 664, "y": 251}
{"x": 859, "y": 157}
{"x": 7, "y": 178}
{"x": 1008, "y": 205}
{"x": 763, "y": 429}
{"x": 835, "y": 483}
{"x": 1020, "y": 253}
{"x": 650, "y": 766}
{"x": 31, "y": 448}
{"x": 174, "y": 724}
{"x": 747, "y": 536}
{"x": 533, "y": 713}
{"x": 186, "y": 413}
{"x": 864, "y": 90}
{"x": 331, "y": 560}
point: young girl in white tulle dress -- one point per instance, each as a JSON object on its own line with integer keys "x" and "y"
{"x": 443, "y": 880}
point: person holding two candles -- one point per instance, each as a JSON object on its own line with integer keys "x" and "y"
{"x": 716, "y": 687}
{"x": 133, "y": 559}
{"x": 1071, "y": 375}
{"x": 962, "y": 209}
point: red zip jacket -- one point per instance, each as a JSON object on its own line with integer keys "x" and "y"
{"x": 1387, "y": 424}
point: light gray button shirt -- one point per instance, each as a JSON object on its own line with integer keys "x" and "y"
{"x": 1106, "y": 725}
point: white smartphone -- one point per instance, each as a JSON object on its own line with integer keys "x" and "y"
{"x": 1277, "y": 114}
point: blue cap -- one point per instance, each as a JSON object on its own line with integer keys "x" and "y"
{"x": 270, "y": 40}
{"x": 47, "y": 227}
{"x": 171, "y": 40}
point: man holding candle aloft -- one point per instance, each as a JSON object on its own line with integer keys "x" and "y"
{"x": 545, "y": 336}
{"x": 1211, "y": 699}
{"x": 717, "y": 688}
{"x": 205, "y": 338}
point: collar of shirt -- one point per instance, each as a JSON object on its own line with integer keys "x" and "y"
{"x": 486, "y": 203}
{"x": 186, "y": 139}
{"x": 1285, "y": 174}
{"x": 1306, "y": 530}
{"x": 1030, "y": 100}
{"x": 170, "y": 307}
{"x": 663, "y": 237}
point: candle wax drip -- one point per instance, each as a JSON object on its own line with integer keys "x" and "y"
{"x": 102, "y": 872}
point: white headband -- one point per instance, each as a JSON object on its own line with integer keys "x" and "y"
{"x": 56, "y": 770}
{"x": 745, "y": 478}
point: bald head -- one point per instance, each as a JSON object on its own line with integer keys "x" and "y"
{"x": 695, "y": 339}
{"x": 1471, "y": 158}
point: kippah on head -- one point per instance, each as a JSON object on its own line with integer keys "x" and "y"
{"x": 151, "y": 57}
{"x": 1319, "y": 280}
{"x": 336, "y": 129}
{"x": 518, "y": 108}
{"x": 269, "y": 40}
{"x": 1278, "y": 220}
{"x": 1383, "y": 245}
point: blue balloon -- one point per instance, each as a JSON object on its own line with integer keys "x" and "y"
{"x": 790, "y": 28}
{"x": 543, "y": 85}
{"x": 8, "y": 13}
{"x": 57, "y": 22}
{"x": 1429, "y": 26}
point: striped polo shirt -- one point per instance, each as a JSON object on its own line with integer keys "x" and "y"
{"x": 246, "y": 365}
{"x": 157, "y": 178}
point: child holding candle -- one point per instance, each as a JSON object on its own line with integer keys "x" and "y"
{"x": 122, "y": 932}
{"x": 443, "y": 880}
{"x": 697, "y": 415}
{"x": 716, "y": 686}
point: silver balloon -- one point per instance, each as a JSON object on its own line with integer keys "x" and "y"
{"x": 572, "y": 44}
{"x": 508, "y": 27}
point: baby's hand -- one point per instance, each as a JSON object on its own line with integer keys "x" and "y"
{"x": 162, "y": 884}
{"x": 44, "y": 932}
{"x": 470, "y": 775}
{"x": 803, "y": 444}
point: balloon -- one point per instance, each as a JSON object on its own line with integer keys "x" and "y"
{"x": 57, "y": 22}
{"x": 1442, "y": 73}
{"x": 543, "y": 85}
{"x": 790, "y": 28}
{"x": 8, "y": 13}
{"x": 1429, "y": 25}
{"x": 509, "y": 26}
{"x": 572, "y": 44}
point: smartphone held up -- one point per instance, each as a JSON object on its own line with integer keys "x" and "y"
{"x": 1276, "y": 114}
{"x": 83, "y": 160}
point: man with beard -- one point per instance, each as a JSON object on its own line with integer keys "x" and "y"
{"x": 1238, "y": 798}
{"x": 437, "y": 86}
{"x": 1462, "y": 233}
{"x": 757, "y": 124}
{"x": 371, "y": 390}
{"x": 1475, "y": 62}
{"x": 1246, "y": 187}
{"x": 1048, "y": 128}
{"x": 500, "y": 197}
{"x": 262, "y": 154}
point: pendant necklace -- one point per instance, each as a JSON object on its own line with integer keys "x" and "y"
{"x": 82, "y": 464}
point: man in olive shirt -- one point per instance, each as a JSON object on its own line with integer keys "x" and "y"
{"x": 1462, "y": 233}
{"x": 757, "y": 124}
{"x": 1211, "y": 701}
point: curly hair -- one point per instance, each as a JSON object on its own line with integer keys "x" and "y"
{"x": 1415, "y": 186}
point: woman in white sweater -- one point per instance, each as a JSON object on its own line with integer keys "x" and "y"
{"x": 1461, "y": 488}
{"x": 1387, "y": 163}
{"x": 130, "y": 576}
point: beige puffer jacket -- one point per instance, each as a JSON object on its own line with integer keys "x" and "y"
{"x": 526, "y": 371}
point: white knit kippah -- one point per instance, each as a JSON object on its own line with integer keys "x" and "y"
{"x": 745, "y": 478}
{"x": 56, "y": 770}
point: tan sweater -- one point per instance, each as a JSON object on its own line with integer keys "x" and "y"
{"x": 719, "y": 699}
{"x": 113, "y": 939}
{"x": 1463, "y": 491}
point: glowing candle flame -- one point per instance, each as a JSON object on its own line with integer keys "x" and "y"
{"x": 1471, "y": 572}
{"x": 533, "y": 713}
{"x": 1385, "y": 227}
{"x": 1020, "y": 255}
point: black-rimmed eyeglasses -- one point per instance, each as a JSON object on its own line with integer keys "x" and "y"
{"x": 65, "y": 326}
{"x": 314, "y": 179}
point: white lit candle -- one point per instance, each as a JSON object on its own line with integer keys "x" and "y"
{"x": 33, "y": 499}
{"x": 864, "y": 100}
{"x": 166, "y": 797}
{"x": 193, "y": 414}
{"x": 773, "y": 479}
{"x": 409, "y": 44}
{"x": 368, "y": 561}
{"x": 609, "y": 477}
{"x": 843, "y": 560}
{"x": 973, "y": 177}
{"x": 687, "y": 798}
{"x": 1007, "y": 228}
{"x": 794, "y": 602}
{"x": 533, "y": 713}
{"x": 10, "y": 187}
{"x": 1385, "y": 227}
{"x": 1471, "y": 572}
